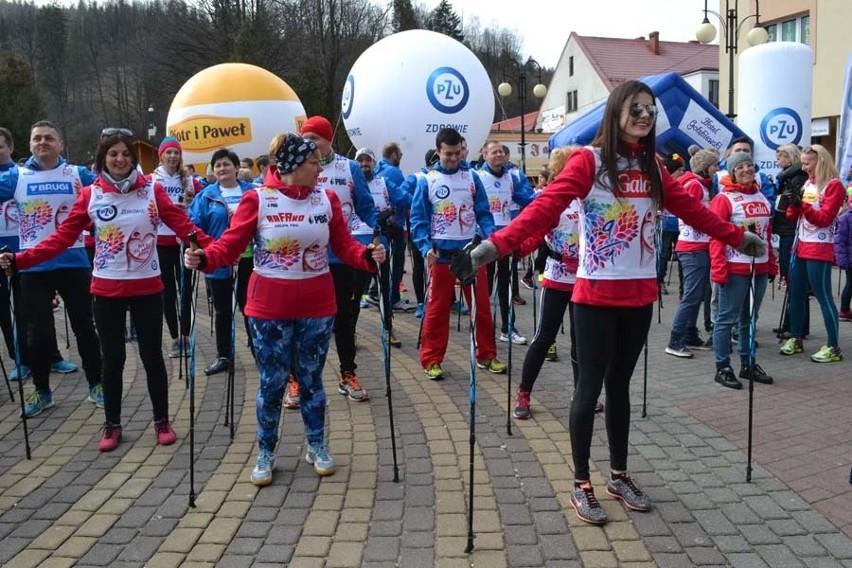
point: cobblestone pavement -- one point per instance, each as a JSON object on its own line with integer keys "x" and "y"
{"x": 71, "y": 505}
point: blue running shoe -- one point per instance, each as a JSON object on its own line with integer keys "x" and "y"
{"x": 19, "y": 373}
{"x": 38, "y": 402}
{"x": 64, "y": 367}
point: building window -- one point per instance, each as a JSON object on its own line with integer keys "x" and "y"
{"x": 805, "y": 30}
{"x": 772, "y": 32}
{"x": 571, "y": 101}
{"x": 713, "y": 94}
{"x": 795, "y": 29}
{"x": 788, "y": 30}
{"x": 571, "y": 66}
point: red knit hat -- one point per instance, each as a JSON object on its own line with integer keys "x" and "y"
{"x": 168, "y": 142}
{"x": 318, "y": 125}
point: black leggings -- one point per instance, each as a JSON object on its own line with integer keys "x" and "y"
{"x": 609, "y": 341}
{"x": 244, "y": 270}
{"x": 147, "y": 313}
{"x": 550, "y": 317}
{"x": 344, "y": 330}
{"x": 222, "y": 290}
{"x": 417, "y": 273}
{"x": 846, "y": 295}
{"x": 170, "y": 274}
{"x": 503, "y": 274}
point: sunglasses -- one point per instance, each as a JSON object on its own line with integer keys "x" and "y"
{"x": 637, "y": 108}
{"x": 106, "y": 132}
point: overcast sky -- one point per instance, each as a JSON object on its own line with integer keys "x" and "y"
{"x": 545, "y": 25}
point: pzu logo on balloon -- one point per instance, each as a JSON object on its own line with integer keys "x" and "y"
{"x": 447, "y": 90}
{"x": 781, "y": 126}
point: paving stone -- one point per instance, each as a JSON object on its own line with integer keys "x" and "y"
{"x": 525, "y": 555}
{"x": 838, "y": 545}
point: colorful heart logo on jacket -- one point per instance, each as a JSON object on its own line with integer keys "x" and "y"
{"x": 140, "y": 249}
{"x": 609, "y": 229}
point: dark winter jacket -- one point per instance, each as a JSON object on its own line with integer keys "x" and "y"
{"x": 793, "y": 178}
{"x": 843, "y": 241}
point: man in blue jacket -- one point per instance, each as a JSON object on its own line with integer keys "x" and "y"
{"x": 45, "y": 188}
{"x": 449, "y": 202}
{"x": 504, "y": 188}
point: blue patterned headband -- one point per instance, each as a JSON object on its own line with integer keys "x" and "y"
{"x": 293, "y": 153}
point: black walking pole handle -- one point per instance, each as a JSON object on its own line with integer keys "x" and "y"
{"x": 193, "y": 241}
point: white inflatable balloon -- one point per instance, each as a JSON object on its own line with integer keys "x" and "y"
{"x": 774, "y": 111}
{"x": 232, "y": 105}
{"x": 408, "y": 86}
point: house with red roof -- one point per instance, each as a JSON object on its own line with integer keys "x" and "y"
{"x": 590, "y": 67}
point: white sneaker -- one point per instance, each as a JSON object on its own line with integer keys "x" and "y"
{"x": 262, "y": 473}
{"x": 319, "y": 457}
{"x": 401, "y": 306}
{"x": 516, "y": 337}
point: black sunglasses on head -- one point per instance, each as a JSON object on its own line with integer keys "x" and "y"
{"x": 637, "y": 108}
{"x": 106, "y": 132}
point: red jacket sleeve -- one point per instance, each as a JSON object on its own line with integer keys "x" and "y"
{"x": 695, "y": 190}
{"x": 834, "y": 197}
{"x": 679, "y": 202}
{"x": 721, "y": 207}
{"x": 176, "y": 218}
{"x": 233, "y": 242}
{"x": 573, "y": 182}
{"x": 342, "y": 243}
{"x": 77, "y": 221}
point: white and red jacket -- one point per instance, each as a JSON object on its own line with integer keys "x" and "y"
{"x": 746, "y": 207}
{"x": 817, "y": 220}
{"x": 617, "y": 250}
{"x": 177, "y": 193}
{"x": 305, "y": 219}
{"x": 131, "y": 277}
{"x": 691, "y": 239}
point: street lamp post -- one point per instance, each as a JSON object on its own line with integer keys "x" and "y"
{"x": 152, "y": 126}
{"x": 706, "y": 33}
{"x": 520, "y": 79}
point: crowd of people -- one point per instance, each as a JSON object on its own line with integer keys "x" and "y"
{"x": 110, "y": 239}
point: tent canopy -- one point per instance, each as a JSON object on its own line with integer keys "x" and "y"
{"x": 685, "y": 118}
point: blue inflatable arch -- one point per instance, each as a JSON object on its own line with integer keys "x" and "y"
{"x": 685, "y": 118}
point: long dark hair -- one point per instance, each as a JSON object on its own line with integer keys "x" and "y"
{"x": 108, "y": 142}
{"x": 608, "y": 139}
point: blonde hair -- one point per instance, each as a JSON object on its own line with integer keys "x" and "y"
{"x": 276, "y": 143}
{"x": 558, "y": 158}
{"x": 792, "y": 153}
{"x": 825, "y": 170}
{"x": 245, "y": 174}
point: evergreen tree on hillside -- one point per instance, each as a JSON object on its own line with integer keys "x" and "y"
{"x": 444, "y": 19}
{"x": 404, "y": 17}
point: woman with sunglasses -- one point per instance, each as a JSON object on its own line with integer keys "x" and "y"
{"x": 125, "y": 209}
{"x": 816, "y": 215}
{"x": 292, "y": 304}
{"x": 621, "y": 184}
{"x": 181, "y": 189}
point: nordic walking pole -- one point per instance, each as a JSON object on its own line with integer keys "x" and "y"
{"x": 427, "y": 273}
{"x": 645, "y": 383}
{"x": 229, "y": 389}
{"x": 472, "y": 395}
{"x": 13, "y": 306}
{"x": 190, "y": 379}
{"x": 67, "y": 335}
{"x": 6, "y": 378}
{"x": 752, "y": 329}
{"x": 535, "y": 313}
{"x": 383, "y": 283}
{"x": 510, "y": 328}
